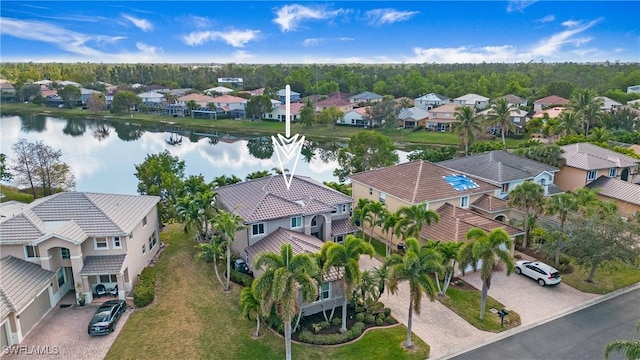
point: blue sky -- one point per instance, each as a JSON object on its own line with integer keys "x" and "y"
{"x": 319, "y": 32}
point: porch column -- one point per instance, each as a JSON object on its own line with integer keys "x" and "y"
{"x": 121, "y": 290}
{"x": 327, "y": 229}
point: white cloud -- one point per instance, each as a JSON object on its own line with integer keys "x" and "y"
{"x": 198, "y": 21}
{"x": 571, "y": 23}
{"x": 388, "y": 16}
{"x": 551, "y": 45}
{"x": 546, "y": 19}
{"x": 319, "y": 41}
{"x": 289, "y": 17}
{"x": 235, "y": 38}
{"x": 147, "y": 49}
{"x": 519, "y": 5}
{"x": 143, "y": 24}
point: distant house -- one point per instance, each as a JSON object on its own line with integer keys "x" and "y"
{"x": 151, "y": 97}
{"x": 280, "y": 113}
{"x": 608, "y": 104}
{"x": 294, "y": 96}
{"x": 342, "y": 104}
{"x": 234, "y": 105}
{"x": 515, "y": 101}
{"x": 429, "y": 101}
{"x": 85, "y": 94}
{"x": 366, "y": 97}
{"x": 354, "y": 117}
{"x": 518, "y": 117}
{"x": 221, "y": 90}
{"x": 625, "y": 194}
{"x": 65, "y": 83}
{"x": 180, "y": 92}
{"x": 413, "y": 117}
{"x": 550, "y": 113}
{"x": 586, "y": 162}
{"x": 442, "y": 117}
{"x": 7, "y": 88}
{"x": 548, "y": 101}
{"x": 201, "y": 100}
{"x": 478, "y": 101}
{"x": 254, "y": 92}
{"x": 505, "y": 170}
{"x": 157, "y": 88}
{"x": 635, "y": 89}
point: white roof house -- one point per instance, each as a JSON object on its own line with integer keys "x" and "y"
{"x": 151, "y": 96}
{"x": 219, "y": 90}
{"x": 479, "y": 101}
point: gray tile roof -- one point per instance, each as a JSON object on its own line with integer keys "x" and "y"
{"x": 21, "y": 228}
{"x": 21, "y": 282}
{"x": 498, "y": 167}
{"x": 342, "y": 227}
{"x": 617, "y": 189}
{"x": 268, "y": 198}
{"x": 367, "y": 95}
{"x": 103, "y": 264}
{"x": 587, "y": 156}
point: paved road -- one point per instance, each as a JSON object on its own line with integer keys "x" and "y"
{"x": 581, "y": 335}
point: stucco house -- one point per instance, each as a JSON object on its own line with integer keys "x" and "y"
{"x": 70, "y": 241}
{"x": 505, "y": 170}
{"x": 442, "y": 117}
{"x": 514, "y": 100}
{"x": 235, "y": 106}
{"x": 306, "y": 215}
{"x": 151, "y": 96}
{"x": 547, "y": 101}
{"x": 413, "y": 117}
{"x": 625, "y": 195}
{"x": 478, "y": 101}
{"x": 293, "y": 96}
{"x": 518, "y": 117}
{"x": 343, "y": 105}
{"x": 201, "y": 100}
{"x": 280, "y": 113}
{"x": 354, "y": 117}
{"x": 586, "y": 162}
{"x": 218, "y": 90}
{"x": 429, "y": 101}
{"x": 608, "y": 104}
{"x": 365, "y": 97}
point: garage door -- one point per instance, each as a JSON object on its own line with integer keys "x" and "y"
{"x": 470, "y": 267}
{"x": 4, "y": 341}
{"x": 34, "y": 312}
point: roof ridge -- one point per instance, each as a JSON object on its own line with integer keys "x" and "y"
{"x": 86, "y": 195}
{"x": 415, "y": 189}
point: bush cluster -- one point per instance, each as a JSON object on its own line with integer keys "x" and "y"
{"x": 336, "y": 321}
{"x": 145, "y": 290}
{"x": 360, "y": 317}
{"x": 241, "y": 278}
{"x": 308, "y": 337}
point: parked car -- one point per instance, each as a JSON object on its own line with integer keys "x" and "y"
{"x": 539, "y": 271}
{"x": 106, "y": 316}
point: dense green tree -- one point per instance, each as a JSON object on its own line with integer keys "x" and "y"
{"x": 630, "y": 348}
{"x": 586, "y": 107}
{"x": 307, "y": 115}
{"x": 161, "y": 175}
{"x": 257, "y": 175}
{"x": 260, "y": 147}
{"x": 530, "y": 197}
{"x": 5, "y": 175}
{"x": 560, "y": 88}
{"x": 124, "y": 101}
{"x": 330, "y": 115}
{"x": 499, "y": 115}
{"x": 490, "y": 248}
{"x": 366, "y": 150}
{"x": 440, "y": 153}
{"x": 227, "y": 224}
{"x": 415, "y": 217}
{"x": 96, "y": 102}
{"x": 622, "y": 119}
{"x": 467, "y": 125}
{"x": 546, "y": 154}
{"x": 341, "y": 187}
{"x": 70, "y": 95}
{"x": 29, "y": 91}
{"x": 382, "y": 113}
{"x": 257, "y": 106}
{"x": 224, "y": 180}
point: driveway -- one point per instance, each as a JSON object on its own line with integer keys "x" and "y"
{"x": 62, "y": 334}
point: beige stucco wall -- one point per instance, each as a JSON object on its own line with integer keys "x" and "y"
{"x": 624, "y": 208}
{"x": 569, "y": 178}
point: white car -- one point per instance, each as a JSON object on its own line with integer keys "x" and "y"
{"x": 541, "y": 272}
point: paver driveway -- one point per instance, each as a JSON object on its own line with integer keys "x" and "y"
{"x": 64, "y": 333}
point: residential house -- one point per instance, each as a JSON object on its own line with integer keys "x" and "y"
{"x": 339, "y": 103}
{"x": 635, "y": 89}
{"x": 275, "y": 103}
{"x": 85, "y": 94}
{"x": 505, "y": 170}
{"x": 70, "y": 241}
{"x": 404, "y": 102}
{"x": 280, "y": 113}
{"x": 625, "y": 195}
{"x": 518, "y": 117}
{"x": 305, "y": 215}
{"x": 151, "y": 97}
{"x": 7, "y": 88}
{"x": 442, "y": 117}
{"x": 179, "y": 92}
{"x": 354, "y": 117}
{"x": 201, "y": 100}
{"x": 413, "y": 117}
{"x": 157, "y": 88}
{"x": 366, "y": 97}
{"x": 550, "y": 113}
{"x": 235, "y": 106}
{"x": 608, "y": 104}
{"x": 45, "y": 82}
{"x": 548, "y": 101}
{"x": 218, "y": 90}
{"x": 65, "y": 83}
{"x": 515, "y": 101}
{"x": 430, "y": 101}
{"x": 293, "y": 96}
{"x": 254, "y": 92}
{"x": 586, "y": 162}
{"x": 478, "y": 101}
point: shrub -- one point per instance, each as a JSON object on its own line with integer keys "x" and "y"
{"x": 360, "y": 317}
{"x": 390, "y": 320}
{"x": 241, "y": 278}
{"x": 359, "y": 309}
{"x": 336, "y": 321}
{"x": 369, "y": 319}
{"x": 308, "y": 337}
{"x": 379, "y": 321}
{"x": 381, "y": 316}
{"x": 418, "y": 128}
{"x": 387, "y": 311}
{"x": 517, "y": 136}
{"x": 145, "y": 290}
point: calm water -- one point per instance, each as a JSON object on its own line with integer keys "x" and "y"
{"x": 102, "y": 154}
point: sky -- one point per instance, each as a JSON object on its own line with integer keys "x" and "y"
{"x": 305, "y": 32}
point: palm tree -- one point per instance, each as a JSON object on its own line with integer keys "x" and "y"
{"x": 561, "y": 205}
{"x": 346, "y": 256}
{"x": 587, "y": 107}
{"x": 376, "y": 208}
{"x": 568, "y": 124}
{"x": 361, "y": 213}
{"x": 223, "y": 180}
{"x": 227, "y": 224}
{"x": 414, "y": 267}
{"x": 204, "y": 200}
{"x": 285, "y": 277}
{"x": 499, "y": 115}
{"x": 189, "y": 213}
{"x": 489, "y": 248}
{"x": 529, "y": 196}
{"x": 600, "y": 135}
{"x": 258, "y": 174}
{"x": 211, "y": 252}
{"x": 449, "y": 252}
{"x": 467, "y": 125}
{"x": 389, "y": 222}
{"x": 250, "y": 303}
{"x": 416, "y": 217}
{"x": 630, "y": 348}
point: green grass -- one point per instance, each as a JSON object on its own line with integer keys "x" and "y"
{"x": 608, "y": 277}
{"x": 11, "y": 193}
{"x": 380, "y": 248}
{"x": 466, "y": 303}
{"x": 192, "y": 318}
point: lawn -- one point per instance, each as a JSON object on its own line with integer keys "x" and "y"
{"x": 192, "y": 318}
{"x": 11, "y": 193}
{"x": 466, "y": 303}
{"x": 609, "y": 277}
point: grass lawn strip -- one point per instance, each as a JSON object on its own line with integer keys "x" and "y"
{"x": 609, "y": 277}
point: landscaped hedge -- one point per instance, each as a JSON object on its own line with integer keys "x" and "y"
{"x": 241, "y": 278}
{"x": 308, "y": 337}
{"x": 145, "y": 290}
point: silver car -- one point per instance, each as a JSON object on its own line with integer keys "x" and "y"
{"x": 539, "y": 271}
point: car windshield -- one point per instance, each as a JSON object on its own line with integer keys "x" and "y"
{"x": 102, "y": 316}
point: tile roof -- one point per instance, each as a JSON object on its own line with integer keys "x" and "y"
{"x": 196, "y": 98}
{"x": 553, "y": 99}
{"x": 587, "y": 156}
{"x": 471, "y": 97}
{"x": 617, "y": 189}
{"x": 342, "y": 227}
{"x": 413, "y": 113}
{"x": 268, "y": 198}
{"x": 432, "y": 97}
{"x": 418, "y": 181}
{"x": 446, "y": 108}
{"x": 229, "y": 99}
{"x": 552, "y": 113}
{"x": 455, "y": 222}
{"x": 21, "y": 282}
{"x": 103, "y": 264}
{"x": 513, "y": 99}
{"x": 294, "y": 108}
{"x": 367, "y": 95}
{"x": 490, "y": 203}
{"x": 333, "y": 102}
{"x": 498, "y": 167}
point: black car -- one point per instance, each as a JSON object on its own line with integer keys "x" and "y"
{"x": 106, "y": 316}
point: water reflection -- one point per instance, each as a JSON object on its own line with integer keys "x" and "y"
{"x": 105, "y": 163}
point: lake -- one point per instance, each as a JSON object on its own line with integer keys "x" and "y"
{"x": 102, "y": 153}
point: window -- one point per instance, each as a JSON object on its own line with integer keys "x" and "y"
{"x": 108, "y": 278}
{"x": 383, "y": 197}
{"x": 144, "y": 221}
{"x": 543, "y": 182}
{"x": 100, "y": 243}
{"x": 144, "y": 248}
{"x": 338, "y": 239}
{"x": 60, "y": 276}
{"x": 296, "y": 222}
{"x": 612, "y": 172}
{"x": 152, "y": 241}
{"x": 335, "y": 210}
{"x": 116, "y": 242}
{"x": 31, "y": 251}
{"x": 65, "y": 254}
{"x": 505, "y": 188}
{"x": 591, "y": 175}
{"x": 464, "y": 202}
{"x": 257, "y": 229}
{"x": 314, "y": 222}
{"x": 325, "y": 291}
{"x": 344, "y": 208}
{"x": 370, "y": 191}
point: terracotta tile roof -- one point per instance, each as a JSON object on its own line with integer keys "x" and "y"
{"x": 418, "y": 181}
{"x": 617, "y": 189}
{"x": 342, "y": 227}
{"x": 455, "y": 222}
{"x": 513, "y": 99}
{"x": 294, "y": 108}
{"x": 268, "y": 198}
{"x": 553, "y": 99}
{"x": 552, "y": 112}
{"x": 228, "y": 99}
{"x": 333, "y": 102}
{"x": 587, "y": 156}
{"x": 196, "y": 98}
{"x": 490, "y": 203}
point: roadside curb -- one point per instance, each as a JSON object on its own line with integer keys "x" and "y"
{"x": 507, "y": 333}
